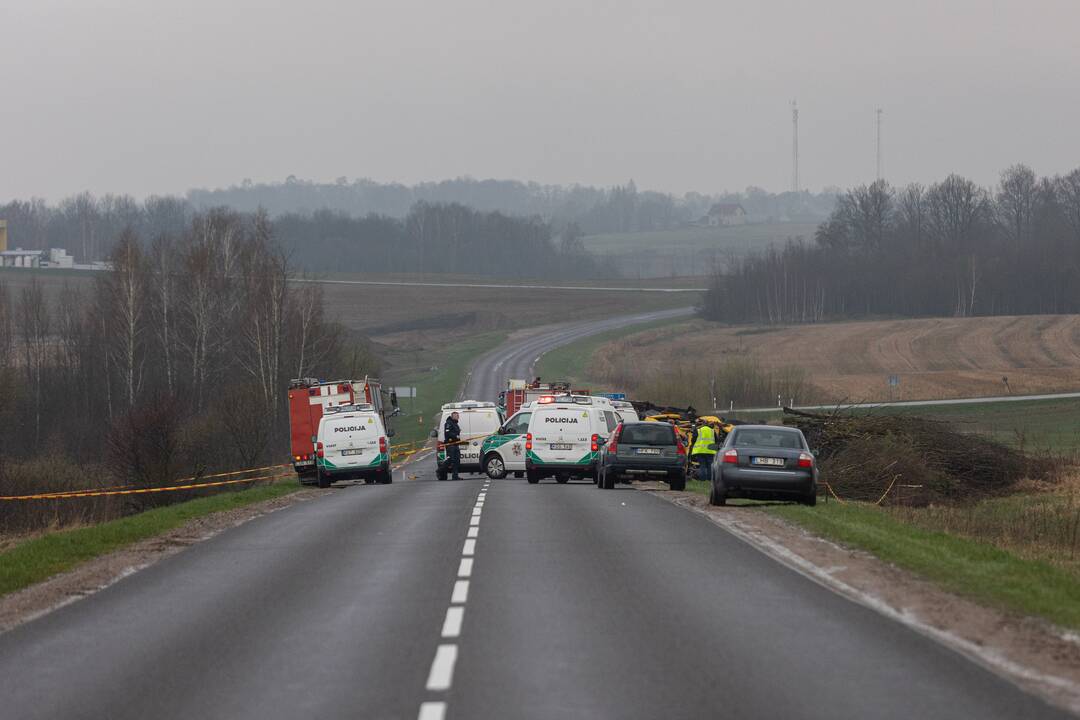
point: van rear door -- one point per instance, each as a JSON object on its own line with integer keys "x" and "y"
{"x": 351, "y": 440}
{"x": 476, "y": 425}
{"x": 563, "y": 435}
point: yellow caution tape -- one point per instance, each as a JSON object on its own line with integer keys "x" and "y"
{"x": 136, "y": 491}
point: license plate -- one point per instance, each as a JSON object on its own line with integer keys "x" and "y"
{"x": 561, "y": 446}
{"x": 648, "y": 451}
{"x": 767, "y": 461}
{"x": 352, "y": 452}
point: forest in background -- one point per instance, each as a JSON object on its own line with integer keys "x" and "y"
{"x": 951, "y": 249}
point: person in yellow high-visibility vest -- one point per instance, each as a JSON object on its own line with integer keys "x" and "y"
{"x": 704, "y": 450}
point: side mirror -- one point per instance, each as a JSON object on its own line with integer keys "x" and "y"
{"x": 390, "y": 433}
{"x": 393, "y": 398}
{"x": 434, "y": 434}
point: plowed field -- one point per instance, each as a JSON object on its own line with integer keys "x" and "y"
{"x": 932, "y": 358}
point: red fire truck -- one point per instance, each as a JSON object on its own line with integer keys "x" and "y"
{"x": 519, "y": 392}
{"x": 309, "y": 398}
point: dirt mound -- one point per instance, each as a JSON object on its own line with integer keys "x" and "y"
{"x": 890, "y": 458}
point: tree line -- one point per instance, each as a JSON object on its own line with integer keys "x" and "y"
{"x": 951, "y": 249}
{"x": 173, "y": 362}
{"x": 429, "y": 238}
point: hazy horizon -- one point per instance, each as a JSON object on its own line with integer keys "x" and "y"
{"x": 151, "y": 98}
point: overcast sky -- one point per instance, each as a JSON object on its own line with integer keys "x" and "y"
{"x": 143, "y": 97}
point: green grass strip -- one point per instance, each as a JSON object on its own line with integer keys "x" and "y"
{"x": 40, "y": 558}
{"x": 967, "y": 567}
{"x": 435, "y": 388}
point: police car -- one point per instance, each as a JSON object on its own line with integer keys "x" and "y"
{"x": 554, "y": 436}
{"x": 478, "y": 420}
{"x": 352, "y": 443}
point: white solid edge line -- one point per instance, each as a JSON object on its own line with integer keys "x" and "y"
{"x": 469, "y": 548}
{"x": 432, "y": 711}
{"x": 442, "y": 668}
{"x": 465, "y": 568}
{"x": 474, "y": 531}
{"x": 451, "y": 627}
{"x": 461, "y": 592}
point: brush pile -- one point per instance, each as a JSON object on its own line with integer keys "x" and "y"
{"x": 862, "y": 455}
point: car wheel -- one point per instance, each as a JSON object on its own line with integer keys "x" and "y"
{"x": 387, "y": 475}
{"x": 562, "y": 479}
{"x": 532, "y": 477}
{"x": 600, "y": 475}
{"x": 677, "y": 481}
{"x": 717, "y": 496}
{"x": 609, "y": 481}
{"x": 494, "y": 467}
{"x": 322, "y": 479}
{"x": 811, "y": 499}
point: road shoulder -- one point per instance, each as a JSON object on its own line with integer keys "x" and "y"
{"x": 1034, "y": 654}
{"x": 89, "y": 577}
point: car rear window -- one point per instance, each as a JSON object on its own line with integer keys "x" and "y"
{"x": 648, "y": 434}
{"x": 760, "y": 437}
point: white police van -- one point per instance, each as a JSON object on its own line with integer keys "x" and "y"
{"x": 352, "y": 443}
{"x": 478, "y": 421}
{"x": 557, "y": 437}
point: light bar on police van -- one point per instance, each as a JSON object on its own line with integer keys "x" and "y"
{"x": 545, "y": 399}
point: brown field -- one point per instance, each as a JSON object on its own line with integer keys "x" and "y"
{"x": 933, "y": 358}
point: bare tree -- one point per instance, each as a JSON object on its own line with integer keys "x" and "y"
{"x": 34, "y": 328}
{"x": 124, "y": 295}
{"x": 1014, "y": 203}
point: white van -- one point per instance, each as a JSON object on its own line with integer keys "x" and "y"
{"x": 352, "y": 443}
{"x": 478, "y": 421}
{"x": 625, "y": 410}
{"x": 556, "y": 437}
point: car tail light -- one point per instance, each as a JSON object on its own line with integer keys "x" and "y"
{"x": 297, "y": 457}
{"x": 613, "y": 441}
{"x": 319, "y": 450}
{"x": 680, "y": 449}
{"x": 806, "y": 460}
{"x": 528, "y": 441}
{"x": 595, "y": 442}
{"x": 731, "y": 456}
{"x": 382, "y": 445}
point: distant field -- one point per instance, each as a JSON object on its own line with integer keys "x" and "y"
{"x": 852, "y": 361}
{"x": 690, "y": 251}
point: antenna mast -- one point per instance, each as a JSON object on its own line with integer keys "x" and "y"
{"x": 879, "y": 112}
{"x": 794, "y": 147}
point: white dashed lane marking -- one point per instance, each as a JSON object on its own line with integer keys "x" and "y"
{"x": 442, "y": 668}
{"x": 432, "y": 711}
{"x": 441, "y": 676}
{"x": 451, "y": 627}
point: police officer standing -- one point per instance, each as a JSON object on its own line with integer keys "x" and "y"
{"x": 452, "y": 439}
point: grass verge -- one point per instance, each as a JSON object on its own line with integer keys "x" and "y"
{"x": 437, "y": 386}
{"x": 968, "y": 567}
{"x": 40, "y": 558}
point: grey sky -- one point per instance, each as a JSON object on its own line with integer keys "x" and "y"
{"x": 145, "y": 97}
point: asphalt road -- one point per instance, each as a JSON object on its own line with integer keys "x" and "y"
{"x": 481, "y": 599}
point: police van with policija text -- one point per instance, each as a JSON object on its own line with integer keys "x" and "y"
{"x": 352, "y": 443}
{"x": 478, "y": 420}
{"x": 557, "y": 437}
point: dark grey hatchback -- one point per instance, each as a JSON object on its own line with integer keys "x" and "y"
{"x": 643, "y": 449}
{"x": 764, "y": 462}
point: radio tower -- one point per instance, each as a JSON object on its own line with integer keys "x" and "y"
{"x": 879, "y": 111}
{"x": 794, "y": 147}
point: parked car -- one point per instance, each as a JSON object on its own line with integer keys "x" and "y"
{"x": 643, "y": 449}
{"x": 765, "y": 462}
